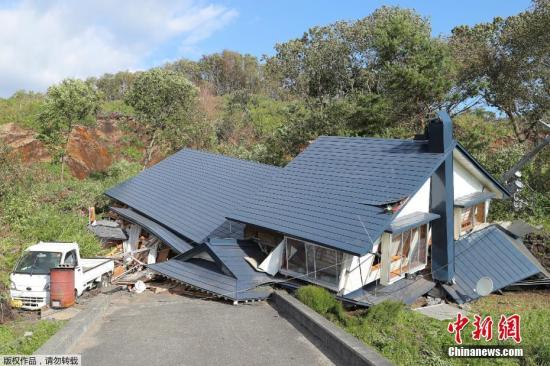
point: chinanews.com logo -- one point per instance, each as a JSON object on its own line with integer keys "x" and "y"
{"x": 508, "y": 328}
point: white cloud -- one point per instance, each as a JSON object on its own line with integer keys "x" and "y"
{"x": 43, "y": 42}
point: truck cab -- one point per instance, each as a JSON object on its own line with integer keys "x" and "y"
{"x": 30, "y": 279}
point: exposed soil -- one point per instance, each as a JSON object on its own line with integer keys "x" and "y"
{"x": 539, "y": 244}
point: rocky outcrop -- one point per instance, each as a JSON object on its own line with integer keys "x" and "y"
{"x": 24, "y": 144}
{"x": 87, "y": 152}
{"x": 90, "y": 149}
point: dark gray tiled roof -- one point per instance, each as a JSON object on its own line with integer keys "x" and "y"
{"x": 239, "y": 284}
{"x": 174, "y": 241}
{"x": 488, "y": 252}
{"x": 411, "y": 220}
{"x": 191, "y": 192}
{"x": 332, "y": 193}
{"x": 473, "y": 199}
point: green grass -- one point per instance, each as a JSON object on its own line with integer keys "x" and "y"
{"x": 13, "y": 340}
{"x": 21, "y": 108}
{"x": 408, "y": 338}
{"x": 37, "y": 206}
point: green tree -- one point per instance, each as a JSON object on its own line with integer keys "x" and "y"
{"x": 388, "y": 64}
{"x": 161, "y": 99}
{"x": 114, "y": 86}
{"x": 189, "y": 69}
{"x": 68, "y": 103}
{"x": 231, "y": 71}
{"x": 506, "y": 64}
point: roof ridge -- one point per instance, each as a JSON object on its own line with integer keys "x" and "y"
{"x": 217, "y": 154}
{"x": 370, "y": 138}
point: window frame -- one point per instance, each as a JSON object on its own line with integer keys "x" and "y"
{"x": 410, "y": 238}
{"x": 73, "y": 251}
{"x": 477, "y": 215}
{"x": 339, "y": 259}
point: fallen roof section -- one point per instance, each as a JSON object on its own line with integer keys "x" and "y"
{"x": 488, "y": 252}
{"x": 191, "y": 192}
{"x": 323, "y": 195}
{"x": 177, "y": 243}
{"x": 406, "y": 290}
{"x": 219, "y": 267}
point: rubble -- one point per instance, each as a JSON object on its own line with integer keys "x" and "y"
{"x": 132, "y": 250}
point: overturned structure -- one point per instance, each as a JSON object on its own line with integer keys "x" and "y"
{"x": 366, "y": 218}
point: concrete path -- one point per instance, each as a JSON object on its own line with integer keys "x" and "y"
{"x": 441, "y": 311}
{"x": 165, "y": 329}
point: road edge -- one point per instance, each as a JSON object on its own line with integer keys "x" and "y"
{"x": 62, "y": 341}
{"x": 350, "y": 350}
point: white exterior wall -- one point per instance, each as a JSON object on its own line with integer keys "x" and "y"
{"x": 358, "y": 272}
{"x": 464, "y": 181}
{"x": 420, "y": 202}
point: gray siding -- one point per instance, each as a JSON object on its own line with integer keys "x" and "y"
{"x": 192, "y": 192}
{"x": 333, "y": 192}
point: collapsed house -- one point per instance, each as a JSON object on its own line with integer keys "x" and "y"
{"x": 369, "y": 219}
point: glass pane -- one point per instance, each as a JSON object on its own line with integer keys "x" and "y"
{"x": 395, "y": 245}
{"x": 70, "y": 259}
{"x": 296, "y": 256}
{"x": 311, "y": 249}
{"x": 38, "y": 262}
{"x": 480, "y": 213}
{"x": 328, "y": 263}
{"x": 467, "y": 219}
{"x": 418, "y": 256}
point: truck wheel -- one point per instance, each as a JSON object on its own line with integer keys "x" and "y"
{"x": 105, "y": 281}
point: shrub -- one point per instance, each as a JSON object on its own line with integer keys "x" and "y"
{"x": 386, "y": 312}
{"x": 316, "y": 298}
{"x": 322, "y": 301}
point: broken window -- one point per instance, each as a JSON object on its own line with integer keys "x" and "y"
{"x": 318, "y": 264}
{"x": 470, "y": 217}
{"x": 296, "y": 256}
{"x": 408, "y": 252}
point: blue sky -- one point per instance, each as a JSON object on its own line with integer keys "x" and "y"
{"x": 261, "y": 24}
{"x": 43, "y": 42}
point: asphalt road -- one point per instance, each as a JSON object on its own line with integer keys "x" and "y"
{"x": 165, "y": 329}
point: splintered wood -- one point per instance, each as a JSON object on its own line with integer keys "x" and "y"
{"x": 134, "y": 254}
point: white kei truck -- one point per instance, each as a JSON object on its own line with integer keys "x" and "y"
{"x": 30, "y": 280}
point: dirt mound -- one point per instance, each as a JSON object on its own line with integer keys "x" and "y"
{"x": 24, "y": 144}
{"x": 539, "y": 244}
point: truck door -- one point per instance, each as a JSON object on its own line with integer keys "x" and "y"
{"x": 71, "y": 259}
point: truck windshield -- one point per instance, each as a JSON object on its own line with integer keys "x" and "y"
{"x": 38, "y": 262}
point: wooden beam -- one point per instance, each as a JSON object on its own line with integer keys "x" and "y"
{"x": 385, "y": 262}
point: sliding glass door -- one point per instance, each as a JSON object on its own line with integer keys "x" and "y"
{"x": 312, "y": 262}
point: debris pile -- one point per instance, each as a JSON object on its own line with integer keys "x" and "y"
{"x": 132, "y": 249}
